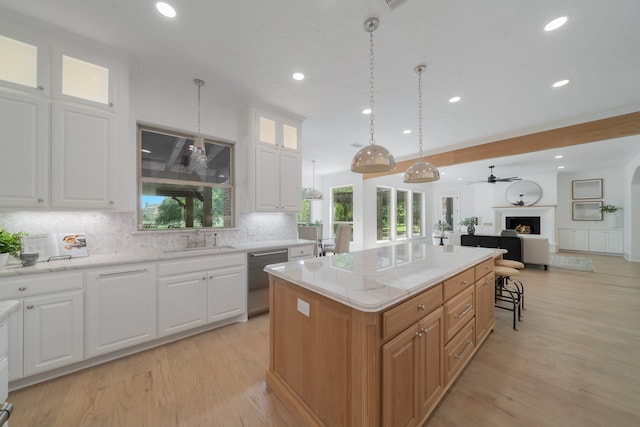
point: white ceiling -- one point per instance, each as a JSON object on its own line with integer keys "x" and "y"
{"x": 492, "y": 53}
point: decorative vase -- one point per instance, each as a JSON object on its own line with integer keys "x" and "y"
{"x": 471, "y": 229}
{"x": 4, "y": 259}
{"x": 611, "y": 219}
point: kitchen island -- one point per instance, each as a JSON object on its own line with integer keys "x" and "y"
{"x": 375, "y": 338}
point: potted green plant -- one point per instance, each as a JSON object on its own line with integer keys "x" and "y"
{"x": 610, "y": 209}
{"x": 10, "y": 244}
{"x": 470, "y": 223}
{"x": 441, "y": 227}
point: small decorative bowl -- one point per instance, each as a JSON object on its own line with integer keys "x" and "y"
{"x": 29, "y": 259}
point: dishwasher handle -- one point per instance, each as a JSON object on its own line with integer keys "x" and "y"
{"x": 259, "y": 254}
{"x": 5, "y": 412}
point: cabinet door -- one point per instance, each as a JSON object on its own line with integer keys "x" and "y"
{"x": 615, "y": 241}
{"x": 430, "y": 361}
{"x": 53, "y": 331}
{"x": 485, "y": 311}
{"x": 121, "y": 308}
{"x": 16, "y": 343}
{"x": 565, "y": 238}
{"x": 290, "y": 182}
{"x": 182, "y": 303}
{"x": 267, "y": 180}
{"x": 581, "y": 240}
{"x": 24, "y": 169}
{"x": 81, "y": 157}
{"x": 597, "y": 241}
{"x": 400, "y": 405}
{"x": 227, "y": 293}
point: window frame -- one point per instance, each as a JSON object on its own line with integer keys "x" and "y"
{"x": 186, "y": 183}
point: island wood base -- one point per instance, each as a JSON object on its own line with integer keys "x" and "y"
{"x": 338, "y": 366}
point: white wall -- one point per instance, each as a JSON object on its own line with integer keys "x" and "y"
{"x": 631, "y": 209}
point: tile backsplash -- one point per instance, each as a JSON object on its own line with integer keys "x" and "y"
{"x": 109, "y": 232}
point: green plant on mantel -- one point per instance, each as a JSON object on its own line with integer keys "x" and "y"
{"x": 610, "y": 208}
{"x": 10, "y": 243}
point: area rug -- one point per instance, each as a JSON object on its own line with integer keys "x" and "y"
{"x": 571, "y": 263}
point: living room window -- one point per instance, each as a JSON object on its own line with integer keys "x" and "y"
{"x": 173, "y": 193}
{"x": 383, "y": 214}
{"x": 402, "y": 214}
{"x": 417, "y": 217}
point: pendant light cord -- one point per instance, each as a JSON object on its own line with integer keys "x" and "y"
{"x": 372, "y": 127}
{"x": 420, "y": 70}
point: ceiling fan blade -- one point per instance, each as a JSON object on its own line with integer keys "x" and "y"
{"x": 509, "y": 179}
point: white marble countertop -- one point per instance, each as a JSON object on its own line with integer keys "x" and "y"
{"x": 122, "y": 258}
{"x": 374, "y": 279}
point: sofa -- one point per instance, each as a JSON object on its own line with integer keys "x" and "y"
{"x": 526, "y": 248}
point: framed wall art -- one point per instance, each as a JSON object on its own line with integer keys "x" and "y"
{"x": 587, "y": 211}
{"x": 586, "y": 189}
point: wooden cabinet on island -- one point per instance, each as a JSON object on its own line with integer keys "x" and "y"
{"x": 352, "y": 344}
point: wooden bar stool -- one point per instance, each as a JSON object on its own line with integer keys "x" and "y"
{"x": 508, "y": 292}
{"x": 517, "y": 283}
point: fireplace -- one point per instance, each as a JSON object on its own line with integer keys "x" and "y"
{"x": 525, "y": 224}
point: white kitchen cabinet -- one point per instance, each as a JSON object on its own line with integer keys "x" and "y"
{"x": 227, "y": 292}
{"x": 47, "y": 332}
{"x": 82, "y": 157}
{"x": 121, "y": 307}
{"x": 63, "y": 138}
{"x": 301, "y": 252}
{"x": 275, "y": 165}
{"x": 607, "y": 241}
{"x": 24, "y": 163}
{"x": 182, "y": 302}
{"x": 278, "y": 180}
{"x": 573, "y": 239}
{"x": 207, "y": 289}
{"x": 53, "y": 331}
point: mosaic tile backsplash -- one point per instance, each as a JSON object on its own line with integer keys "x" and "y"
{"x": 109, "y": 232}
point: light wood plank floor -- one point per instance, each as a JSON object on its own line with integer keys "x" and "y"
{"x": 575, "y": 361}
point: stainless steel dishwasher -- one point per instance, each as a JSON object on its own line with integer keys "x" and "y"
{"x": 258, "y": 280}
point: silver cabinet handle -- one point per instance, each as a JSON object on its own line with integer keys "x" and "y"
{"x": 258, "y": 254}
{"x": 464, "y": 282}
{"x": 22, "y": 288}
{"x": 421, "y": 307}
{"x": 30, "y": 307}
{"x": 117, "y": 273}
{"x": 461, "y": 355}
{"x": 461, "y": 315}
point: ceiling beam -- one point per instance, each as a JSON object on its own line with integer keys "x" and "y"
{"x": 583, "y": 133}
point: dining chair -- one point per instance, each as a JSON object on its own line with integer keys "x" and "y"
{"x": 343, "y": 237}
{"x": 311, "y": 232}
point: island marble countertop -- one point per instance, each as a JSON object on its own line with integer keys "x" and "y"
{"x": 374, "y": 279}
{"x": 122, "y": 258}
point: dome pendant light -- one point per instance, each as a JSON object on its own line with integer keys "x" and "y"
{"x": 199, "y": 159}
{"x": 313, "y": 194}
{"x": 372, "y": 158}
{"x": 420, "y": 171}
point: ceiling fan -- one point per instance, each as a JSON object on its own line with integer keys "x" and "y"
{"x": 492, "y": 179}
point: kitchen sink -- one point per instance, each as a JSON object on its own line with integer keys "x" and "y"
{"x": 207, "y": 249}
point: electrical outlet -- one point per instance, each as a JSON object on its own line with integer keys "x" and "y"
{"x": 303, "y": 307}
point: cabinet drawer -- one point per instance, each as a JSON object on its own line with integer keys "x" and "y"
{"x": 484, "y": 268}
{"x": 409, "y": 312}
{"x": 458, "y": 283}
{"x": 457, "y": 312}
{"x": 18, "y": 287}
{"x": 201, "y": 263}
{"x": 458, "y": 351}
{"x": 301, "y": 252}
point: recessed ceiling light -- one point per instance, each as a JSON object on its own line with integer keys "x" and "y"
{"x": 166, "y": 9}
{"x": 560, "y": 167}
{"x": 556, "y": 23}
{"x": 298, "y": 76}
{"x": 561, "y": 83}
{"x": 559, "y": 156}
{"x": 366, "y": 111}
{"x": 454, "y": 99}
{"x": 406, "y": 131}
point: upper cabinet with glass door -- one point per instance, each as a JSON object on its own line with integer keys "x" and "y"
{"x": 277, "y": 131}
{"x": 24, "y": 64}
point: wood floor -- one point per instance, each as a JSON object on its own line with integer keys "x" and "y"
{"x": 575, "y": 361}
